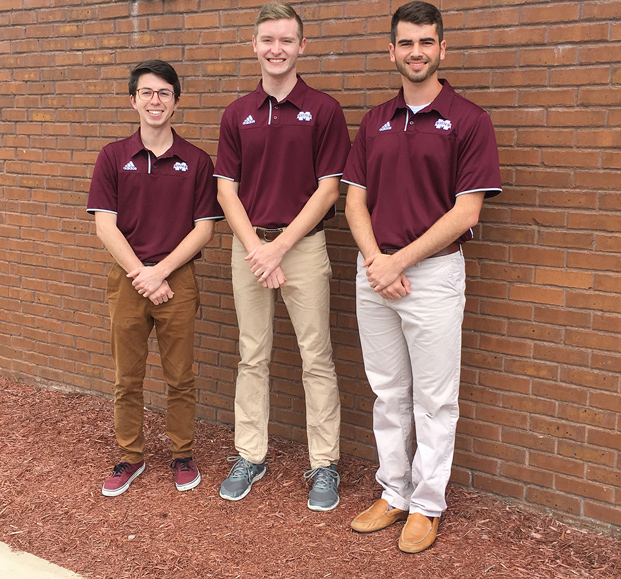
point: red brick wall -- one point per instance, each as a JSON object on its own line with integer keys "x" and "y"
{"x": 540, "y": 390}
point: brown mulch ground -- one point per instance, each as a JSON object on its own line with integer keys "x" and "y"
{"x": 59, "y": 447}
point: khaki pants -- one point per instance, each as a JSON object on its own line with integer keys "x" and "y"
{"x": 133, "y": 318}
{"x": 307, "y": 297}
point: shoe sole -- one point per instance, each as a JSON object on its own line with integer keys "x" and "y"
{"x": 189, "y": 486}
{"x": 240, "y": 497}
{"x": 318, "y": 508}
{"x": 116, "y": 492}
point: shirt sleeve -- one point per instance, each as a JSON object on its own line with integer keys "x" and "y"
{"x": 103, "y": 192}
{"x": 477, "y": 164}
{"x": 334, "y": 145}
{"x": 206, "y": 192}
{"x": 356, "y": 167}
{"x": 228, "y": 163}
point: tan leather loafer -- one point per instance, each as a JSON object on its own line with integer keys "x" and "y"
{"x": 418, "y": 533}
{"x": 377, "y": 517}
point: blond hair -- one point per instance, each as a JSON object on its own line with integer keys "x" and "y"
{"x": 278, "y": 11}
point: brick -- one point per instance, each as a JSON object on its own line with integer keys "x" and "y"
{"x": 557, "y": 464}
{"x": 499, "y": 486}
{"x": 599, "y": 512}
{"x": 586, "y": 453}
{"x": 528, "y": 475}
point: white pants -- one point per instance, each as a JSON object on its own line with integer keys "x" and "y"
{"x": 412, "y": 358}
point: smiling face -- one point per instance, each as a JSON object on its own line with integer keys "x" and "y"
{"x": 417, "y": 51}
{"x": 154, "y": 113}
{"x": 277, "y": 45}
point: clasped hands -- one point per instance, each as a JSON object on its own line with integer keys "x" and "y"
{"x": 150, "y": 284}
{"x": 265, "y": 265}
{"x": 386, "y": 276}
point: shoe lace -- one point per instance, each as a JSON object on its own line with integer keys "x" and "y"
{"x": 182, "y": 463}
{"x": 325, "y": 478}
{"x": 241, "y": 469}
{"x": 120, "y": 468}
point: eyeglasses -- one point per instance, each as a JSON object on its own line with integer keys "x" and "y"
{"x": 146, "y": 94}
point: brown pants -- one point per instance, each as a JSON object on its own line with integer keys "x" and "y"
{"x": 133, "y": 318}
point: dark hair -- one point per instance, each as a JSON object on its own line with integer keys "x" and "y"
{"x": 159, "y": 68}
{"x": 417, "y": 13}
{"x": 278, "y": 11}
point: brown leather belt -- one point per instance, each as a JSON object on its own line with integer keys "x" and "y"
{"x": 269, "y": 234}
{"x": 454, "y": 247}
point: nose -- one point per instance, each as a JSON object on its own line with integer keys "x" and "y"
{"x": 155, "y": 95}
{"x": 416, "y": 52}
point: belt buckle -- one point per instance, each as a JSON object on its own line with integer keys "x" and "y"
{"x": 276, "y": 231}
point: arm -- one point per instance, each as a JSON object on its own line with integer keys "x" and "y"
{"x": 267, "y": 257}
{"x": 114, "y": 241}
{"x": 359, "y": 220}
{"x": 384, "y": 269}
{"x": 242, "y": 228}
{"x": 147, "y": 280}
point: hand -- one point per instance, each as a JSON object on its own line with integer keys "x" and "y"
{"x": 397, "y": 289}
{"x": 265, "y": 259}
{"x": 274, "y": 280}
{"x": 382, "y": 271}
{"x": 162, "y": 294}
{"x": 147, "y": 280}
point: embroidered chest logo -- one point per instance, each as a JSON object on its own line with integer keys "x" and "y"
{"x": 305, "y": 116}
{"x": 386, "y": 127}
{"x": 249, "y": 120}
{"x": 180, "y": 166}
{"x": 442, "y": 124}
{"x": 130, "y": 167}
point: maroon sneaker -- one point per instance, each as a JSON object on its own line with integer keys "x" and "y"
{"x": 186, "y": 473}
{"x": 123, "y": 475}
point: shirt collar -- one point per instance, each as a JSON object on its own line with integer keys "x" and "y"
{"x": 441, "y": 104}
{"x": 136, "y": 146}
{"x": 295, "y": 97}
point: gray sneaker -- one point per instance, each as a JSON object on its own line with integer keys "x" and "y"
{"x": 324, "y": 496}
{"x": 239, "y": 482}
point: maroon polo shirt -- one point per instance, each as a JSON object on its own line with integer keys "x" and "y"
{"x": 156, "y": 199}
{"x": 413, "y": 166}
{"x": 278, "y": 151}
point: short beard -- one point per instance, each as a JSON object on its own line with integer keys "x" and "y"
{"x": 418, "y": 77}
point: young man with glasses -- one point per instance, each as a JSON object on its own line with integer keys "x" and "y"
{"x": 154, "y": 199}
{"x": 281, "y": 152}
{"x": 419, "y": 169}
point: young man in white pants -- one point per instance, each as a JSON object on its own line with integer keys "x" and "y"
{"x": 419, "y": 169}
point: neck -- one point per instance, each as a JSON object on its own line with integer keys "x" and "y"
{"x": 279, "y": 88}
{"x": 157, "y": 139}
{"x": 421, "y": 93}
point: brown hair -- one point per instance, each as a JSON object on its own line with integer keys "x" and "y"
{"x": 417, "y": 13}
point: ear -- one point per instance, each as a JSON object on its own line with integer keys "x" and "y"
{"x": 442, "y": 49}
{"x": 254, "y": 44}
{"x": 391, "y": 50}
{"x": 132, "y": 100}
{"x": 302, "y": 45}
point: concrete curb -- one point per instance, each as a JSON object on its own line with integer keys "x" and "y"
{"x": 18, "y": 565}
